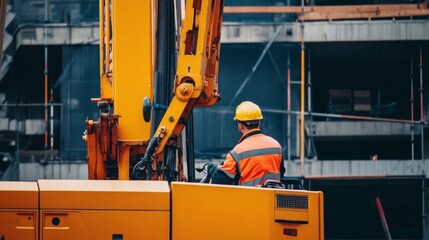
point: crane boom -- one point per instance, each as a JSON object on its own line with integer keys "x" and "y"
{"x": 196, "y": 77}
{"x": 196, "y": 84}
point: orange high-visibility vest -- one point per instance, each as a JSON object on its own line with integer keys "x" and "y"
{"x": 259, "y": 158}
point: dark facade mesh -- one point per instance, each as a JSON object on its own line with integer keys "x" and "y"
{"x": 79, "y": 82}
{"x": 215, "y": 131}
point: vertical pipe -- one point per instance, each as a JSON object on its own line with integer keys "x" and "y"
{"x": 309, "y": 104}
{"x": 18, "y": 160}
{"x": 421, "y": 105}
{"x": 302, "y": 136}
{"x": 424, "y": 205}
{"x": 412, "y": 108}
{"x": 302, "y": 133}
{"x": 288, "y": 108}
{"x": 164, "y": 51}
{"x": 51, "y": 101}
{"x": 309, "y": 85}
{"x": 288, "y": 102}
{"x": 68, "y": 98}
{"x": 46, "y": 74}
{"x": 422, "y": 140}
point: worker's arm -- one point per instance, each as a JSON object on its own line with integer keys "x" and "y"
{"x": 223, "y": 173}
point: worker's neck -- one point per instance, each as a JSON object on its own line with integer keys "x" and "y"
{"x": 245, "y": 131}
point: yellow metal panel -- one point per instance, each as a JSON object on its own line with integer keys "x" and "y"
{"x": 20, "y": 195}
{"x": 312, "y": 228}
{"x": 18, "y": 224}
{"x": 124, "y": 162}
{"x": 132, "y": 66}
{"x": 292, "y": 215}
{"x": 104, "y": 194}
{"x": 232, "y": 212}
{"x": 104, "y": 224}
{"x": 105, "y": 50}
{"x": 220, "y": 212}
{"x": 321, "y": 215}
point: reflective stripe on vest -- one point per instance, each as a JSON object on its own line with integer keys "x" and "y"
{"x": 256, "y": 181}
{"x": 256, "y": 152}
{"x": 253, "y": 153}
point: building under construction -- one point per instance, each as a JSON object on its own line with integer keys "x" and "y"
{"x": 342, "y": 87}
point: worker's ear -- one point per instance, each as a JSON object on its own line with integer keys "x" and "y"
{"x": 240, "y": 126}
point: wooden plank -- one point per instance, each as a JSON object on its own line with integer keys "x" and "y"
{"x": 312, "y": 13}
{"x": 323, "y": 9}
{"x": 366, "y": 8}
{"x": 261, "y": 9}
{"x": 369, "y": 15}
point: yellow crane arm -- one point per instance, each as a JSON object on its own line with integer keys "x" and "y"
{"x": 196, "y": 76}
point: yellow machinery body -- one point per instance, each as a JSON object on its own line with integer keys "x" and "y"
{"x": 19, "y": 210}
{"x": 121, "y": 139}
{"x": 82, "y": 209}
{"x": 126, "y": 77}
{"x": 88, "y": 209}
{"x": 117, "y": 141}
{"x": 232, "y": 212}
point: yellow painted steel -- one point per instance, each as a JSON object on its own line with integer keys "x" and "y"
{"x": 104, "y": 195}
{"x": 106, "y": 88}
{"x": 197, "y": 67}
{"x": 19, "y": 224}
{"x": 231, "y": 212}
{"x": 132, "y": 66}
{"x": 124, "y": 162}
{"x": 93, "y": 224}
{"x": 18, "y": 195}
{"x": 101, "y": 209}
{"x": 126, "y": 77}
{"x": 19, "y": 202}
{"x": 127, "y": 58}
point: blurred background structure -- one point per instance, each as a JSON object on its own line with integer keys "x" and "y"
{"x": 363, "y": 81}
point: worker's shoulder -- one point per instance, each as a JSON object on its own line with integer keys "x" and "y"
{"x": 272, "y": 140}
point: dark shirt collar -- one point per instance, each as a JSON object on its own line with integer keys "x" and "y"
{"x": 250, "y": 133}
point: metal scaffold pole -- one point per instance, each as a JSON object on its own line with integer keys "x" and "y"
{"x": 288, "y": 108}
{"x": 302, "y": 125}
{"x": 422, "y": 118}
{"x": 18, "y": 160}
{"x": 309, "y": 104}
{"x": 45, "y": 73}
{"x": 51, "y": 121}
{"x": 422, "y": 147}
{"x": 424, "y": 205}
{"x": 311, "y": 146}
{"x": 412, "y": 107}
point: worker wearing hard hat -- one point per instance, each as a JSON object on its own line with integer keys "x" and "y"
{"x": 255, "y": 159}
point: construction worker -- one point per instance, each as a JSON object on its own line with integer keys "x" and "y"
{"x": 255, "y": 159}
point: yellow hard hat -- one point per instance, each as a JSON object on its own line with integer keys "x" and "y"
{"x": 247, "y": 111}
